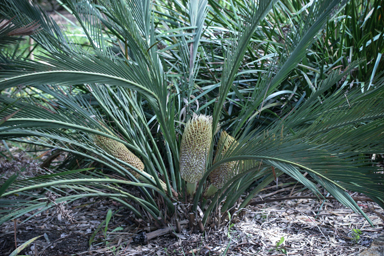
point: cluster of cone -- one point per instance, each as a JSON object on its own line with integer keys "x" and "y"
{"x": 195, "y": 145}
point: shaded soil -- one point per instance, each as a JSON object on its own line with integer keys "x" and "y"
{"x": 59, "y": 245}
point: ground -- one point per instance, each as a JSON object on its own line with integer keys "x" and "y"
{"x": 293, "y": 227}
{"x": 305, "y": 228}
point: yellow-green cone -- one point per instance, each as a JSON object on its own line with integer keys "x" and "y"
{"x": 225, "y": 171}
{"x": 195, "y": 143}
{"x": 120, "y": 151}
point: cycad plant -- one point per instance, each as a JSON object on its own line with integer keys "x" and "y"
{"x": 169, "y": 96}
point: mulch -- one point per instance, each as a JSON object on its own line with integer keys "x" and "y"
{"x": 304, "y": 226}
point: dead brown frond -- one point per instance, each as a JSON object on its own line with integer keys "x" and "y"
{"x": 26, "y": 30}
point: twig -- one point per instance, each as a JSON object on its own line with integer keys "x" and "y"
{"x": 191, "y": 220}
{"x": 160, "y": 232}
{"x": 163, "y": 231}
{"x": 47, "y": 162}
{"x": 276, "y": 192}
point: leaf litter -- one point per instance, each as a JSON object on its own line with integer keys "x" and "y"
{"x": 290, "y": 227}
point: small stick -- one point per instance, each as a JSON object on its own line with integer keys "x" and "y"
{"x": 178, "y": 226}
{"x": 201, "y": 226}
{"x": 191, "y": 220}
{"x": 164, "y": 231}
{"x": 159, "y": 232}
